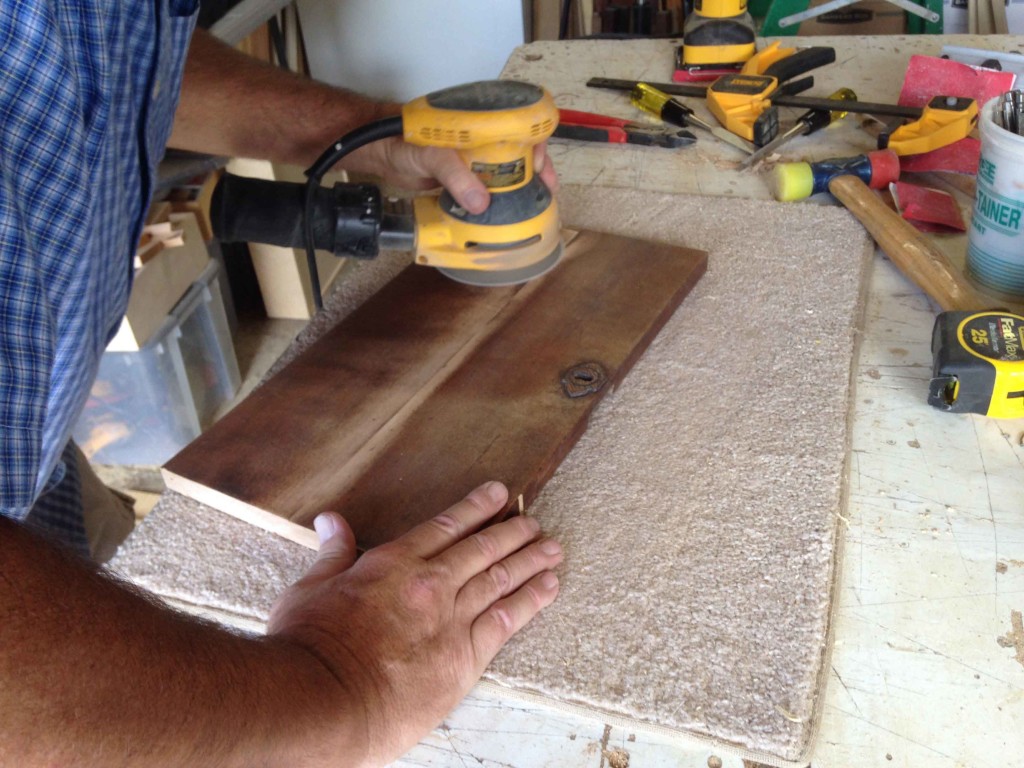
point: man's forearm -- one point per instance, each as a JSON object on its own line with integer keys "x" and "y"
{"x": 92, "y": 673}
{"x": 232, "y": 104}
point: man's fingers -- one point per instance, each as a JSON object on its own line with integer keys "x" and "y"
{"x": 412, "y": 165}
{"x": 483, "y": 549}
{"x": 458, "y": 521}
{"x": 451, "y": 171}
{"x": 508, "y": 575}
{"x": 337, "y": 548}
{"x": 506, "y": 617}
{"x": 543, "y": 166}
{"x": 337, "y": 554}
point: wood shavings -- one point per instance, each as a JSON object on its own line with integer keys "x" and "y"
{"x": 793, "y": 718}
{"x": 1015, "y": 637}
{"x": 617, "y": 758}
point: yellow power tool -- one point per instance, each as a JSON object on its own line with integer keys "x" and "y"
{"x": 717, "y": 34}
{"x": 494, "y": 126}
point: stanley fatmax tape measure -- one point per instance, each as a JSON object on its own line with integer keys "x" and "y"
{"x": 978, "y": 364}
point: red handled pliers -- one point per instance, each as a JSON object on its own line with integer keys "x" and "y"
{"x": 587, "y": 126}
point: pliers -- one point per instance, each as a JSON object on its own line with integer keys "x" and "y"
{"x": 587, "y": 126}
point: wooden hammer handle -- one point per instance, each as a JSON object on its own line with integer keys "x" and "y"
{"x": 908, "y": 249}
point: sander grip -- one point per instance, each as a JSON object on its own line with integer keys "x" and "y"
{"x": 346, "y": 218}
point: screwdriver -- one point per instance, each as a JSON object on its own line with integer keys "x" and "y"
{"x": 673, "y": 111}
{"x": 809, "y": 122}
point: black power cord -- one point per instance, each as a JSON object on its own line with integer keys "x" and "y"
{"x": 350, "y": 142}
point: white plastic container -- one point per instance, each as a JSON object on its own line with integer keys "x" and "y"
{"x": 148, "y": 404}
{"x": 995, "y": 243}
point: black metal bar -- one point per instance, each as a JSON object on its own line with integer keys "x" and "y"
{"x": 806, "y": 102}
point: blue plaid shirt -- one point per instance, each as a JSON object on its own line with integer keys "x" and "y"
{"x": 88, "y": 90}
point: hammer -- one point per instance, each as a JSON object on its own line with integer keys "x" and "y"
{"x": 848, "y": 179}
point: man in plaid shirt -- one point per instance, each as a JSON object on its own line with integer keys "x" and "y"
{"x": 361, "y": 658}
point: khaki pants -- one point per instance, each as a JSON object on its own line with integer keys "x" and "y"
{"x": 109, "y": 514}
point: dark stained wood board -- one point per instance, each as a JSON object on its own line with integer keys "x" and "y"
{"x": 432, "y": 387}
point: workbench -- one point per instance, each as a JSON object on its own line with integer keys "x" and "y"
{"x": 928, "y": 658}
{"x": 928, "y": 661}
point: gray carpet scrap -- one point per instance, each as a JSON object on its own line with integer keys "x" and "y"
{"x": 699, "y": 512}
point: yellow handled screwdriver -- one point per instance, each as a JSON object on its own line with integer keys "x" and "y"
{"x": 809, "y": 122}
{"x": 673, "y": 111}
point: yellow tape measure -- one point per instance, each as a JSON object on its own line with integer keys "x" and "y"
{"x": 978, "y": 364}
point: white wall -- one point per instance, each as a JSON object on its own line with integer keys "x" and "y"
{"x": 400, "y": 49}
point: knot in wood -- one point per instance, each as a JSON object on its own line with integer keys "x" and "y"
{"x": 584, "y": 379}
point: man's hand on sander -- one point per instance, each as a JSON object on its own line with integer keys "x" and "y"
{"x": 408, "y": 628}
{"x": 419, "y": 168}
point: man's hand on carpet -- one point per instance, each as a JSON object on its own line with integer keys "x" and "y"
{"x": 409, "y": 627}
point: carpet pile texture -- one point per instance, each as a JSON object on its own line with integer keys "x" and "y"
{"x": 699, "y": 513}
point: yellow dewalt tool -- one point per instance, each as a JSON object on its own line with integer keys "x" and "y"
{"x": 743, "y": 102}
{"x": 811, "y": 121}
{"x": 978, "y": 364}
{"x": 717, "y": 36}
{"x": 494, "y": 125}
{"x": 943, "y": 120}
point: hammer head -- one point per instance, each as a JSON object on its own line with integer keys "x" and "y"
{"x": 795, "y": 181}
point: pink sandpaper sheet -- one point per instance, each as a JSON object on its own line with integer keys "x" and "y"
{"x": 930, "y": 210}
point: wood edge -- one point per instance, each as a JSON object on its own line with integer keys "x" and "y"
{"x": 241, "y": 510}
{"x": 521, "y": 500}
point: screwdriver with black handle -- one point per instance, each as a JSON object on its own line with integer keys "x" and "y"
{"x": 674, "y": 112}
{"x": 809, "y": 122}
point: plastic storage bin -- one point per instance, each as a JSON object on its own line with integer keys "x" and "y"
{"x": 148, "y": 404}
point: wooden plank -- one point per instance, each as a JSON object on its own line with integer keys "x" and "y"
{"x": 432, "y": 387}
{"x": 330, "y": 401}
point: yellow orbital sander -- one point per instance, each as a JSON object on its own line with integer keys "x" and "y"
{"x": 493, "y": 125}
{"x": 718, "y": 38}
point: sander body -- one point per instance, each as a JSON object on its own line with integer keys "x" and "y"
{"x": 493, "y": 125}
